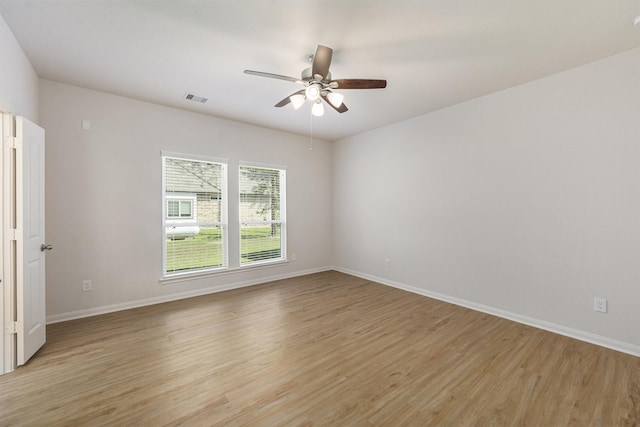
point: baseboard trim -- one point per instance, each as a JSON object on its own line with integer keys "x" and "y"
{"x": 599, "y": 340}
{"x": 95, "y": 311}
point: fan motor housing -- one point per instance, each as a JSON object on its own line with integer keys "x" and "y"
{"x": 307, "y": 76}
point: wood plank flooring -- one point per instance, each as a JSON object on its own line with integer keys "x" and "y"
{"x": 326, "y": 349}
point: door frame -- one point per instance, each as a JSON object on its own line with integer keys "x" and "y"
{"x": 8, "y": 247}
{"x": 2, "y": 285}
{"x": 8, "y": 213}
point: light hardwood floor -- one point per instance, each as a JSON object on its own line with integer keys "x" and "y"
{"x": 321, "y": 350}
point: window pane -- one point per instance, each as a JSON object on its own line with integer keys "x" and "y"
{"x": 262, "y": 236}
{"x": 259, "y": 194}
{"x": 193, "y": 247}
{"x": 260, "y": 243}
{"x": 192, "y": 176}
{"x": 172, "y": 209}
{"x": 195, "y": 224}
{"x": 185, "y": 208}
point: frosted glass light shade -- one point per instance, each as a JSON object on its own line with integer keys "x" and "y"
{"x": 297, "y": 100}
{"x": 335, "y": 99}
{"x": 317, "y": 109}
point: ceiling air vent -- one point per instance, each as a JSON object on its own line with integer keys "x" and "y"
{"x": 195, "y": 98}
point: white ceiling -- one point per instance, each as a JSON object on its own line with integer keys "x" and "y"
{"x": 433, "y": 53}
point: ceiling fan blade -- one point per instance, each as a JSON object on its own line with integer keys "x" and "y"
{"x": 273, "y": 76}
{"x": 288, "y": 99}
{"x": 360, "y": 84}
{"x": 322, "y": 61}
{"x": 341, "y": 109}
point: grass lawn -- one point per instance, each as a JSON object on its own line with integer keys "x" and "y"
{"x": 204, "y": 250}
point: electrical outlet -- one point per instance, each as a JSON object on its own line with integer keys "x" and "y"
{"x": 86, "y": 285}
{"x": 600, "y": 304}
{"x": 387, "y": 262}
{"x": 293, "y": 257}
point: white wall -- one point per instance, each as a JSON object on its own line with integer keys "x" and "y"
{"x": 104, "y": 196}
{"x": 18, "y": 80}
{"x": 525, "y": 203}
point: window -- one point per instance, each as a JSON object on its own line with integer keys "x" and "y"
{"x": 179, "y": 209}
{"x": 194, "y": 192}
{"x": 262, "y": 215}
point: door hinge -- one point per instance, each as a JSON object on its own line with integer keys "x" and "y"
{"x": 12, "y": 328}
{"x": 12, "y": 141}
{"x": 12, "y": 234}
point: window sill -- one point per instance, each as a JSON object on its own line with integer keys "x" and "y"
{"x": 204, "y": 274}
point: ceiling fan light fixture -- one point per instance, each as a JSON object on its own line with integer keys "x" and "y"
{"x": 297, "y": 100}
{"x": 317, "y": 109}
{"x": 335, "y": 99}
{"x": 312, "y": 92}
{"x": 318, "y": 84}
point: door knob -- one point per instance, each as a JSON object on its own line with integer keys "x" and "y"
{"x": 44, "y": 247}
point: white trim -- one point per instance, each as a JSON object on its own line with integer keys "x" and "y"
{"x": 4, "y": 133}
{"x": 200, "y": 158}
{"x": 263, "y": 263}
{"x": 268, "y": 222}
{"x": 79, "y": 314}
{"x": 261, "y": 165}
{"x": 8, "y": 243}
{"x": 599, "y": 340}
{"x": 220, "y": 271}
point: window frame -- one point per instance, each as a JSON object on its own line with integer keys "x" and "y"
{"x": 193, "y": 220}
{"x": 282, "y": 184}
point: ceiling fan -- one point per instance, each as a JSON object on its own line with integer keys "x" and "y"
{"x": 318, "y": 84}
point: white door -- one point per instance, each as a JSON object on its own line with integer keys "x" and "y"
{"x": 31, "y": 243}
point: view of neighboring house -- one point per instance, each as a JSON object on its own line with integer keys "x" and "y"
{"x": 196, "y": 214}
{"x": 193, "y": 195}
